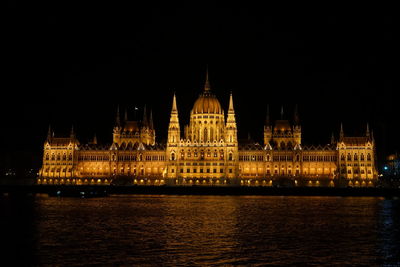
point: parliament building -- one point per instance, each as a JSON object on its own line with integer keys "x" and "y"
{"x": 209, "y": 153}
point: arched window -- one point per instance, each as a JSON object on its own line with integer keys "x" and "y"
{"x": 230, "y": 157}
{"x": 211, "y": 134}
{"x": 182, "y": 154}
{"x": 355, "y": 156}
{"x": 58, "y": 157}
{"x": 369, "y": 156}
{"x": 267, "y": 157}
{"x": 172, "y": 156}
{"x": 70, "y": 156}
{"x": 64, "y": 157}
{"x": 297, "y": 157}
{"x": 47, "y": 156}
{"x": 348, "y": 156}
{"x": 342, "y": 157}
{"x": 362, "y": 156}
{"x": 205, "y": 135}
{"x": 215, "y": 153}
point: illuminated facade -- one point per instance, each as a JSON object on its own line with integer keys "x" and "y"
{"x": 209, "y": 153}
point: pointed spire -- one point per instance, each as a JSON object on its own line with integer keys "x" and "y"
{"x": 145, "y": 122}
{"x": 117, "y": 118}
{"x": 296, "y": 116}
{"x": 126, "y": 115}
{"x": 341, "y": 131}
{"x": 367, "y": 133}
{"x": 151, "y": 120}
{"x": 207, "y": 83}
{"x": 49, "y": 133}
{"x": 72, "y": 135}
{"x": 95, "y": 139}
{"x": 372, "y": 135}
{"x": 267, "y": 119}
{"x": 332, "y": 139}
{"x": 282, "y": 112}
{"x": 231, "y": 109}
{"x": 174, "y": 108}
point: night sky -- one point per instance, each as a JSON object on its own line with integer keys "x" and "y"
{"x": 73, "y": 64}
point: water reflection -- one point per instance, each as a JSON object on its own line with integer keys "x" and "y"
{"x": 204, "y": 230}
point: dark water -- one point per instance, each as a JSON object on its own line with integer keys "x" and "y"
{"x": 199, "y": 230}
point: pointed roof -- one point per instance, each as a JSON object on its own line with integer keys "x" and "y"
{"x": 117, "y": 118}
{"x": 145, "y": 122}
{"x": 296, "y": 116}
{"x": 126, "y": 115}
{"x": 72, "y": 135}
{"x": 341, "y": 130}
{"x": 267, "y": 119}
{"x": 151, "y": 125}
{"x": 174, "y": 108}
{"x": 231, "y": 109}
{"x": 282, "y": 112}
{"x": 207, "y": 83}
{"x": 95, "y": 139}
{"x": 49, "y": 133}
{"x": 367, "y": 133}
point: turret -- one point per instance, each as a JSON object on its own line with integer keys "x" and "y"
{"x": 267, "y": 128}
{"x": 231, "y": 130}
{"x": 174, "y": 129}
{"x": 341, "y": 135}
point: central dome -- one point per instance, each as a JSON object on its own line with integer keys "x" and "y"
{"x": 207, "y": 102}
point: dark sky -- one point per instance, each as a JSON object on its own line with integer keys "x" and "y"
{"x": 73, "y": 64}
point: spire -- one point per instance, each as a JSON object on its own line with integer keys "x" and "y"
{"x": 95, "y": 139}
{"x": 174, "y": 108}
{"x": 296, "y": 116}
{"x": 341, "y": 131}
{"x": 145, "y": 121}
{"x": 282, "y": 112}
{"x": 207, "y": 83}
{"x": 332, "y": 139}
{"x": 231, "y": 109}
{"x": 49, "y": 133}
{"x": 126, "y": 115}
{"x": 117, "y": 118}
{"x": 267, "y": 119}
{"x": 151, "y": 120}
{"x": 72, "y": 135}
{"x": 367, "y": 133}
{"x": 372, "y": 135}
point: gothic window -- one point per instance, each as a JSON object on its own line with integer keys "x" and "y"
{"x": 211, "y": 134}
{"x": 221, "y": 154}
{"x": 267, "y": 157}
{"x": 64, "y": 157}
{"x": 208, "y": 153}
{"x": 58, "y": 156}
{"x": 172, "y": 156}
{"x": 182, "y": 154}
{"x": 215, "y": 154}
{"x": 47, "y": 156}
{"x": 349, "y": 171}
{"x": 369, "y": 156}
{"x": 189, "y": 154}
{"x": 205, "y": 135}
{"x": 355, "y": 156}
{"x": 348, "y": 156}
{"x": 342, "y": 157}
{"x": 297, "y": 157}
{"x": 70, "y": 157}
{"x": 230, "y": 157}
{"x": 362, "y": 156}
{"x": 283, "y": 145}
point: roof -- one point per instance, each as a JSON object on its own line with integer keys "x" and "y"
{"x": 355, "y": 141}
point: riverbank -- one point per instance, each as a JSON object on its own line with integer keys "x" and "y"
{"x": 199, "y": 190}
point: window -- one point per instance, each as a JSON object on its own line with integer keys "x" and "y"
{"x": 362, "y": 156}
{"x": 342, "y": 157}
{"x": 172, "y": 156}
{"x": 230, "y": 157}
{"x": 47, "y": 156}
{"x": 221, "y": 170}
{"x": 355, "y": 156}
{"x": 230, "y": 170}
{"x": 348, "y": 156}
{"x": 369, "y": 156}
